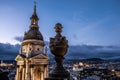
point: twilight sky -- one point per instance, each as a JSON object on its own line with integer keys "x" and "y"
{"x": 92, "y": 22}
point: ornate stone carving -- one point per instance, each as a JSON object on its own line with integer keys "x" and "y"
{"x": 58, "y": 47}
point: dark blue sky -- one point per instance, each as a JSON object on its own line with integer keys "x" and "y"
{"x": 93, "y": 22}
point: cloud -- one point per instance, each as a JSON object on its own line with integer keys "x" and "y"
{"x": 19, "y": 38}
{"x": 91, "y": 51}
{"x": 46, "y": 43}
{"x": 8, "y": 51}
{"x": 74, "y": 36}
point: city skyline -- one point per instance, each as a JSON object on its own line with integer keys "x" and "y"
{"x": 32, "y": 47}
{"x": 85, "y": 22}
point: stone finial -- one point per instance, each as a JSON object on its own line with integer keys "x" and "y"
{"x": 58, "y": 28}
{"x": 58, "y": 47}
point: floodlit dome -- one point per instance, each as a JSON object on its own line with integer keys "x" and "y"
{"x": 33, "y": 33}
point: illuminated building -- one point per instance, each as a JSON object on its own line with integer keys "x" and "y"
{"x": 5, "y": 64}
{"x": 32, "y": 61}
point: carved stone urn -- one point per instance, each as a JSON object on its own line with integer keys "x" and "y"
{"x": 58, "y": 47}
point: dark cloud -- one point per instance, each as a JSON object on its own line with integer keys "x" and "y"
{"x": 89, "y": 51}
{"x": 8, "y": 51}
{"x": 18, "y": 38}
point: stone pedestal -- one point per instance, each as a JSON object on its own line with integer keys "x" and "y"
{"x": 58, "y": 47}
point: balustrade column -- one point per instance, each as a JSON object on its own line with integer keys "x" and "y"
{"x": 23, "y": 73}
{"x": 17, "y": 74}
{"x": 42, "y": 78}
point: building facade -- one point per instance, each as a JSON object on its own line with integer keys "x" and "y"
{"x": 32, "y": 60}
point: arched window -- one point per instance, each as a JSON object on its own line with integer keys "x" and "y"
{"x": 30, "y": 49}
{"x": 38, "y": 49}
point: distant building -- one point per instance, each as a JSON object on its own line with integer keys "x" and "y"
{"x": 2, "y": 64}
{"x": 96, "y": 74}
{"x": 32, "y": 61}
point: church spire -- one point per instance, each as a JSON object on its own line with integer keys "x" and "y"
{"x": 34, "y": 8}
{"x": 34, "y": 18}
